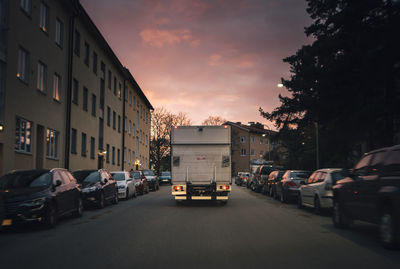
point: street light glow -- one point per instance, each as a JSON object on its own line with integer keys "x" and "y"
{"x": 280, "y": 85}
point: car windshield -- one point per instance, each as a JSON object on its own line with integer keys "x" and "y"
{"x": 86, "y": 176}
{"x": 165, "y": 173}
{"x": 303, "y": 175}
{"x": 135, "y": 175}
{"x": 25, "y": 179}
{"x": 148, "y": 173}
{"x": 118, "y": 176}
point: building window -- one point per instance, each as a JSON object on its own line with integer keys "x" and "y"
{"x": 114, "y": 120}
{"x": 77, "y": 43}
{"x": 118, "y": 157}
{"x": 26, "y": 5}
{"x": 51, "y": 144}
{"x": 261, "y": 153}
{"x": 92, "y": 145}
{"x": 108, "y": 153}
{"x": 73, "y": 141}
{"x": 86, "y": 54}
{"x": 129, "y": 127}
{"x": 134, "y": 101}
{"x": 129, "y": 156}
{"x": 94, "y": 105}
{"x": 261, "y": 140}
{"x": 109, "y": 79}
{"x": 242, "y": 139}
{"x": 44, "y": 17}
{"x": 130, "y": 98}
{"x": 125, "y": 128}
{"x": 41, "y": 77}
{"x": 23, "y": 135}
{"x": 83, "y": 145}
{"x": 56, "y": 87}
{"x": 120, "y": 91}
{"x": 102, "y": 71}
{"x": 115, "y": 85}
{"x": 113, "y": 155}
{"x": 23, "y": 65}
{"x": 108, "y": 116}
{"x": 252, "y": 139}
{"x": 59, "y": 32}
{"x": 75, "y": 91}
{"x": 243, "y": 152}
{"x": 252, "y": 152}
{"x": 119, "y": 123}
{"x": 95, "y": 62}
{"x": 85, "y": 99}
{"x": 124, "y": 154}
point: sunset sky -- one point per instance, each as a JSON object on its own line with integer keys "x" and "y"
{"x": 214, "y": 57}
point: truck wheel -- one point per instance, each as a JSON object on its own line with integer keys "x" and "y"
{"x": 387, "y": 229}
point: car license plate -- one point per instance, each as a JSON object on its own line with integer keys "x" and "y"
{"x": 6, "y": 222}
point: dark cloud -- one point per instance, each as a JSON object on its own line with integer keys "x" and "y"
{"x": 212, "y": 57}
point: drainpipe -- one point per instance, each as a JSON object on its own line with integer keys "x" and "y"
{"x": 69, "y": 91}
{"x": 123, "y": 127}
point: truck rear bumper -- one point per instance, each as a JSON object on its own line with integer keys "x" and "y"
{"x": 205, "y": 198}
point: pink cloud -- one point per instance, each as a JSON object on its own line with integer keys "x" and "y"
{"x": 158, "y": 38}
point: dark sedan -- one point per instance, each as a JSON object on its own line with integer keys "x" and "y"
{"x": 288, "y": 188}
{"x": 39, "y": 196}
{"x": 98, "y": 187}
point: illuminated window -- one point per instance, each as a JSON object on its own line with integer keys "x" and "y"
{"x": 56, "y": 87}
{"x": 59, "y": 32}
{"x": 44, "y": 17}
{"x": 120, "y": 91}
{"x": 23, "y": 65}
{"x": 23, "y": 135}
{"x": 41, "y": 77}
{"x": 51, "y": 144}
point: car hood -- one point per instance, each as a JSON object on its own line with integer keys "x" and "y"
{"x": 24, "y": 194}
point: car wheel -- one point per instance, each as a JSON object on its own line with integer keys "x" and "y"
{"x": 299, "y": 201}
{"x": 79, "y": 208}
{"x": 338, "y": 217}
{"x": 115, "y": 200}
{"x": 387, "y": 229}
{"x": 51, "y": 217}
{"x": 102, "y": 201}
{"x": 317, "y": 206}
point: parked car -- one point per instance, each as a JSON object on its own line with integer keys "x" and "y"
{"x": 242, "y": 178}
{"x": 316, "y": 192}
{"x": 288, "y": 188}
{"x": 125, "y": 183}
{"x": 260, "y": 177}
{"x": 371, "y": 193}
{"x": 273, "y": 179}
{"x": 40, "y": 196}
{"x": 141, "y": 184}
{"x": 151, "y": 179}
{"x": 98, "y": 187}
{"x": 165, "y": 177}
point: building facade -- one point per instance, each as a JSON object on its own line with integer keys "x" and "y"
{"x": 249, "y": 142}
{"x": 62, "y": 91}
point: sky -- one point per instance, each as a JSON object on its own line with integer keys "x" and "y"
{"x": 205, "y": 57}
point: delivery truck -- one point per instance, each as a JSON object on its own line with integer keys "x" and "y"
{"x": 201, "y": 163}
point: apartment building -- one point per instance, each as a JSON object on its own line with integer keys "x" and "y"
{"x": 62, "y": 90}
{"x": 249, "y": 142}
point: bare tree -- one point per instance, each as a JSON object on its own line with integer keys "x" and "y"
{"x": 214, "y": 120}
{"x": 162, "y": 121}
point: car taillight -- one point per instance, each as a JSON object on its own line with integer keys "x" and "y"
{"x": 178, "y": 188}
{"x": 292, "y": 184}
{"x": 224, "y": 187}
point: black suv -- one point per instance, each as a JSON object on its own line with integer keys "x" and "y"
{"x": 371, "y": 192}
{"x": 39, "y": 196}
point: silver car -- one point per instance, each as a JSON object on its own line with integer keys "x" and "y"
{"x": 126, "y": 184}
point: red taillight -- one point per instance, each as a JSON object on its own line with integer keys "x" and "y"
{"x": 292, "y": 184}
{"x": 178, "y": 188}
{"x": 224, "y": 187}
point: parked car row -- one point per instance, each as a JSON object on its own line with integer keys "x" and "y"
{"x": 369, "y": 192}
{"x": 47, "y": 194}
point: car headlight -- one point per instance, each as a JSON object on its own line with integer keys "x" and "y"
{"x": 35, "y": 202}
{"x": 90, "y": 189}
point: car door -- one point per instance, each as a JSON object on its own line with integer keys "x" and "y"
{"x": 106, "y": 186}
{"x": 368, "y": 188}
{"x": 131, "y": 183}
{"x": 68, "y": 191}
{"x": 306, "y": 190}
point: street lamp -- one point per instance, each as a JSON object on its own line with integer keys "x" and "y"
{"x": 1, "y": 127}
{"x": 137, "y": 164}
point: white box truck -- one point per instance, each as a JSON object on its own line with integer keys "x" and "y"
{"x": 201, "y": 162}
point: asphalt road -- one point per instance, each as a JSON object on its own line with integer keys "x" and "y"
{"x": 151, "y": 231}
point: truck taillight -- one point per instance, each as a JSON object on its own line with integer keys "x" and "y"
{"x": 292, "y": 184}
{"x": 224, "y": 187}
{"x": 178, "y": 188}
